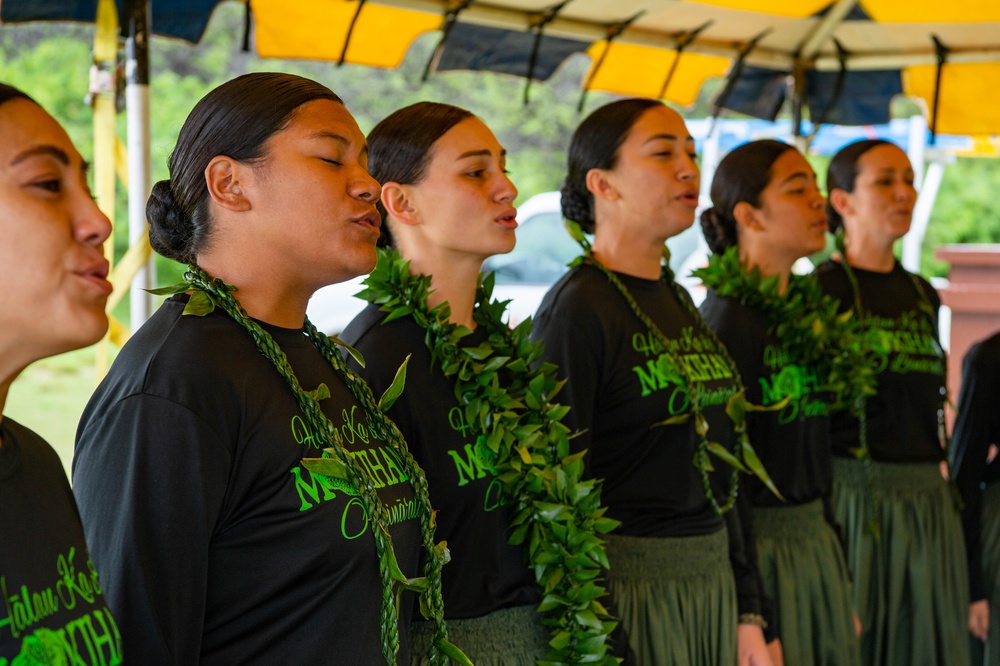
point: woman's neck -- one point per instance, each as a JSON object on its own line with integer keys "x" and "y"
{"x": 869, "y": 254}
{"x": 629, "y": 254}
{"x": 769, "y": 266}
{"x": 453, "y": 279}
{"x": 265, "y": 295}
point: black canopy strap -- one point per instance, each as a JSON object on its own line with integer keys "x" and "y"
{"x": 683, "y": 40}
{"x": 538, "y": 27}
{"x": 942, "y": 58}
{"x": 450, "y": 19}
{"x": 734, "y": 75}
{"x": 838, "y": 89}
{"x": 247, "y": 25}
{"x": 350, "y": 31}
{"x": 613, "y": 31}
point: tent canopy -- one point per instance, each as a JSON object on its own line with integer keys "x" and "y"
{"x": 653, "y": 48}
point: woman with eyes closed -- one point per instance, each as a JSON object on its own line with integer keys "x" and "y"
{"x": 447, "y": 205}
{"x": 644, "y": 378}
{"x": 767, "y": 213}
{"x": 902, "y": 520}
{"x": 247, "y": 499}
{"x": 53, "y": 281}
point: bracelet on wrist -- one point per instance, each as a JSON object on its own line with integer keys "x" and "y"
{"x": 756, "y": 619}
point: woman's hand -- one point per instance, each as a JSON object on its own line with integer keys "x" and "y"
{"x": 750, "y": 646}
{"x": 857, "y": 623}
{"x": 979, "y": 619}
{"x": 774, "y": 649}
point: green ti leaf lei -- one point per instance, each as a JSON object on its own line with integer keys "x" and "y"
{"x": 338, "y": 462}
{"x": 744, "y": 458}
{"x": 506, "y": 394}
{"x": 806, "y": 323}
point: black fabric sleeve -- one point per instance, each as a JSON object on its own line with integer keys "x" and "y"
{"x": 976, "y": 427}
{"x": 170, "y": 468}
{"x": 729, "y": 321}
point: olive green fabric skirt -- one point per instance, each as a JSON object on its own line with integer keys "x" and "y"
{"x": 507, "y": 637}
{"x": 803, "y": 570}
{"x": 989, "y": 654}
{"x": 911, "y": 584}
{"x": 676, "y": 598}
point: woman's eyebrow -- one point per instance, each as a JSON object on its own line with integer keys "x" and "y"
{"x": 52, "y": 151}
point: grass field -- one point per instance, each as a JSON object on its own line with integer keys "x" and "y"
{"x": 50, "y": 395}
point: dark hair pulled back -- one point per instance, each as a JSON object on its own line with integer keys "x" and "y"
{"x": 235, "y": 119}
{"x": 741, "y": 176}
{"x": 595, "y": 145}
{"x": 843, "y": 171}
{"x": 399, "y": 147}
{"x": 9, "y": 93}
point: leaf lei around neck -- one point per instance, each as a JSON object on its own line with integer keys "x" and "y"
{"x": 207, "y": 294}
{"x": 744, "y": 458}
{"x": 506, "y": 394}
{"x": 805, "y": 322}
{"x": 925, "y": 307}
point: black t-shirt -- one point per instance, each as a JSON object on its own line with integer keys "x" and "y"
{"x": 902, "y": 340}
{"x": 976, "y": 428}
{"x": 53, "y": 610}
{"x": 215, "y": 544}
{"x": 619, "y": 384}
{"x": 793, "y": 442}
{"x": 485, "y": 572}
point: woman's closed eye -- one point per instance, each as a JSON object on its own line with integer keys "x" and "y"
{"x": 53, "y": 185}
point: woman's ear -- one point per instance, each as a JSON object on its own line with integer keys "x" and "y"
{"x": 841, "y": 201}
{"x": 599, "y": 184}
{"x": 397, "y": 203}
{"x": 222, "y": 177}
{"x": 747, "y": 216}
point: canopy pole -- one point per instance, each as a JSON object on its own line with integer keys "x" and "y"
{"x": 838, "y": 90}
{"x": 682, "y": 43}
{"x": 733, "y": 77}
{"x": 137, "y": 105}
{"x": 450, "y": 19}
{"x": 103, "y": 89}
{"x": 538, "y": 26}
{"x": 350, "y": 32}
{"x": 612, "y": 33}
{"x": 942, "y": 58}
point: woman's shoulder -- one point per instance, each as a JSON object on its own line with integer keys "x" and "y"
{"x": 730, "y": 312}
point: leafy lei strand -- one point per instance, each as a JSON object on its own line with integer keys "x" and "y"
{"x": 925, "y": 307}
{"x": 207, "y": 294}
{"x": 806, "y": 324}
{"x": 745, "y": 459}
{"x": 506, "y": 394}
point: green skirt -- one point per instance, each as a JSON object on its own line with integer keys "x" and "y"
{"x": 676, "y": 598}
{"x": 989, "y": 654}
{"x": 910, "y": 581}
{"x": 510, "y": 636}
{"x": 803, "y": 570}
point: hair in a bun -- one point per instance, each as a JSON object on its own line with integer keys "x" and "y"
{"x": 741, "y": 176}
{"x": 595, "y": 145}
{"x": 843, "y": 171}
{"x": 720, "y": 233}
{"x": 170, "y": 232}
{"x": 578, "y": 207}
{"x": 235, "y": 119}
